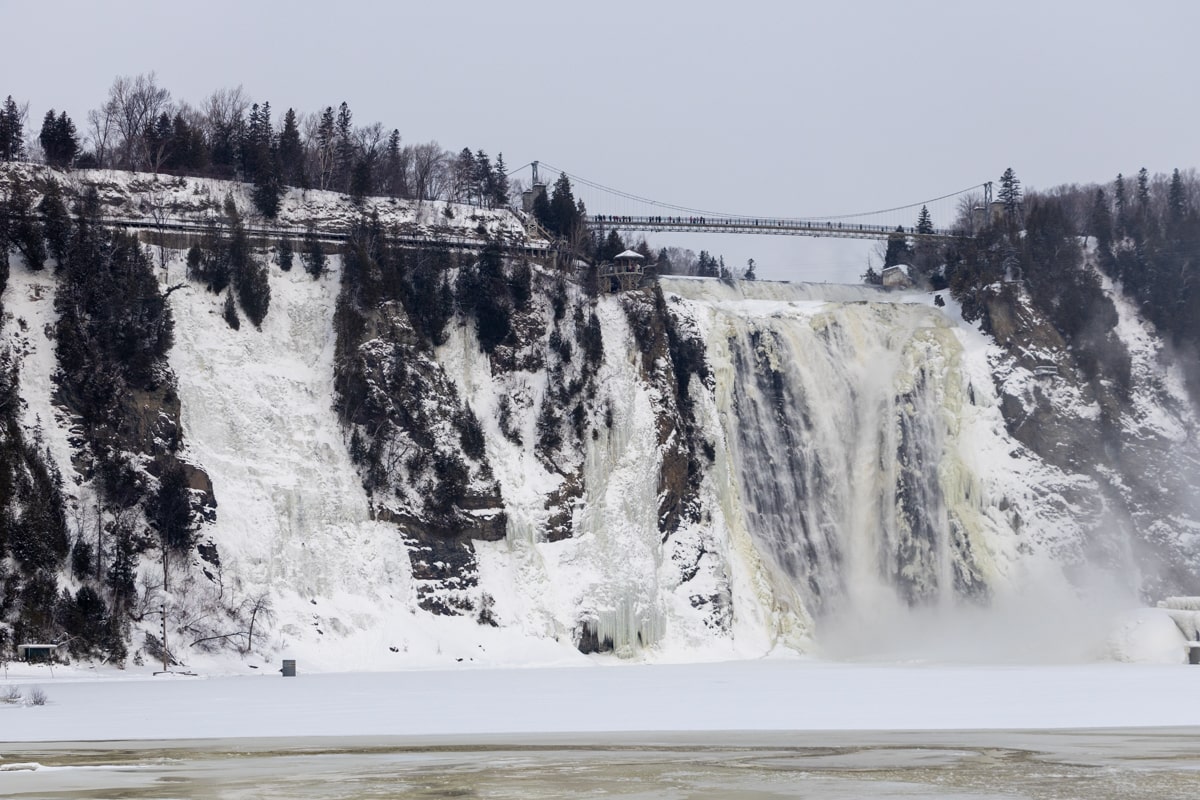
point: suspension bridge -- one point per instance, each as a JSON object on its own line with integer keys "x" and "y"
{"x": 612, "y": 209}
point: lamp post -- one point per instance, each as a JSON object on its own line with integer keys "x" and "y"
{"x": 163, "y": 610}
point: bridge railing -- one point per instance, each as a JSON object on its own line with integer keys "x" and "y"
{"x": 763, "y": 225}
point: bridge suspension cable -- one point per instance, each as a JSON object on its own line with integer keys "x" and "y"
{"x": 687, "y": 210}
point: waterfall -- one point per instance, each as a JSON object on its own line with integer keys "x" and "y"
{"x": 840, "y": 421}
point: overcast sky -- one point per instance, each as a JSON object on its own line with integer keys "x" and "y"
{"x": 784, "y": 108}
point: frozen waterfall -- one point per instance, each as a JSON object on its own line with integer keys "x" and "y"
{"x": 839, "y": 410}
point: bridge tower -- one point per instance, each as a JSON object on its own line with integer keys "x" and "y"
{"x": 530, "y": 195}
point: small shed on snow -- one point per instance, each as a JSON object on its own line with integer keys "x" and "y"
{"x": 897, "y": 277}
{"x": 33, "y": 652}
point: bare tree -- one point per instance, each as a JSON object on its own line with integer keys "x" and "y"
{"x": 429, "y": 168}
{"x": 259, "y": 606}
{"x": 135, "y": 103}
{"x": 369, "y": 140}
{"x": 971, "y": 213}
{"x": 224, "y": 109}
{"x": 224, "y": 112}
{"x": 310, "y": 126}
{"x": 101, "y": 124}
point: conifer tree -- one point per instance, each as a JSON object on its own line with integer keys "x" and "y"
{"x": 58, "y": 139}
{"x": 313, "y": 256}
{"x": 1143, "y": 189}
{"x": 1101, "y": 223}
{"x": 898, "y": 251}
{"x": 326, "y": 152}
{"x": 1176, "y": 199}
{"x": 345, "y": 147}
{"x": 394, "y": 166}
{"x": 564, "y": 214}
{"x": 500, "y": 184}
{"x": 286, "y": 254}
{"x": 12, "y": 133}
{"x": 261, "y": 163}
{"x": 485, "y": 180}
{"x": 229, "y": 311}
{"x": 291, "y": 151}
{"x": 1122, "y": 203}
{"x": 24, "y": 231}
{"x": 1010, "y": 195}
{"x": 56, "y": 222}
{"x": 924, "y": 221}
{"x": 465, "y": 175}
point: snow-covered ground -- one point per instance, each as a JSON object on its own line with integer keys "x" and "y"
{"x": 767, "y": 695}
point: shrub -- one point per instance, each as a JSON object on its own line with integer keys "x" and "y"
{"x": 286, "y": 254}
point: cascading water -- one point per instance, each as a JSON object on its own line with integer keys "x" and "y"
{"x": 840, "y": 420}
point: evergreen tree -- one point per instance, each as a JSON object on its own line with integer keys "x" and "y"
{"x": 485, "y": 180}
{"x": 261, "y": 162}
{"x": 229, "y": 312}
{"x": 707, "y": 265}
{"x": 1010, "y": 195}
{"x": 898, "y": 251}
{"x": 291, "y": 151}
{"x": 345, "y": 147}
{"x": 500, "y": 184}
{"x": 362, "y": 178}
{"x": 12, "y": 133}
{"x": 564, "y": 214}
{"x": 1100, "y": 223}
{"x": 170, "y": 509}
{"x": 542, "y": 212}
{"x": 286, "y": 254}
{"x": 313, "y": 256}
{"x": 465, "y": 175}
{"x": 1143, "y": 188}
{"x": 24, "y": 231}
{"x": 326, "y": 150}
{"x": 58, "y": 139}
{"x": 749, "y": 274}
{"x": 1176, "y": 199}
{"x": 188, "y": 151}
{"x": 612, "y": 245}
{"x": 393, "y": 167}
{"x": 250, "y": 277}
{"x": 924, "y": 221}
{"x": 663, "y": 263}
{"x": 56, "y": 222}
{"x": 1122, "y": 203}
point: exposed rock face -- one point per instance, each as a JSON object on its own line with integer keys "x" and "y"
{"x": 1136, "y": 446}
{"x": 409, "y": 428}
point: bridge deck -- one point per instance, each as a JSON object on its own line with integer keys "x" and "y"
{"x": 777, "y": 227}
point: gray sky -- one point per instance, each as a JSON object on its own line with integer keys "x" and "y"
{"x": 785, "y": 108}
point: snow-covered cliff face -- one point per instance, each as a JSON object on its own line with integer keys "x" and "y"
{"x": 725, "y": 471}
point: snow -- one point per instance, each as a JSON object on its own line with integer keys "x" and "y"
{"x": 294, "y": 522}
{"x": 765, "y": 695}
{"x": 1148, "y": 635}
{"x": 142, "y": 197}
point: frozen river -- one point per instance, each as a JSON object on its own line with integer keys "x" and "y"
{"x": 1096, "y": 764}
{"x": 762, "y": 729}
